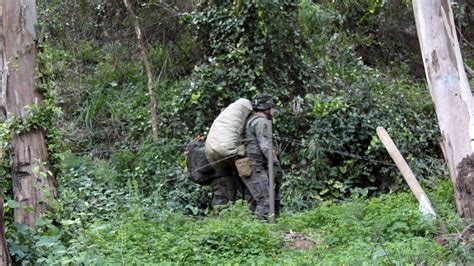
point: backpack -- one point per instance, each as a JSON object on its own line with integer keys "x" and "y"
{"x": 225, "y": 134}
{"x": 199, "y": 169}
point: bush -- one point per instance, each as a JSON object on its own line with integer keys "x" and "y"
{"x": 331, "y": 146}
{"x": 251, "y": 46}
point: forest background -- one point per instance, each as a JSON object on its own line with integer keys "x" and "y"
{"x": 338, "y": 68}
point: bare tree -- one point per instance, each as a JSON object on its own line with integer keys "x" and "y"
{"x": 32, "y": 182}
{"x": 146, "y": 62}
{"x": 451, "y": 95}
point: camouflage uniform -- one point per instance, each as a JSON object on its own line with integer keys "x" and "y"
{"x": 224, "y": 187}
{"x": 258, "y": 140}
{"x": 222, "y": 181}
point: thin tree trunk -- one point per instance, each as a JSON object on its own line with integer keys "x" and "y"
{"x": 5, "y": 258}
{"x": 143, "y": 52}
{"x": 451, "y": 95}
{"x": 3, "y": 71}
{"x": 33, "y": 184}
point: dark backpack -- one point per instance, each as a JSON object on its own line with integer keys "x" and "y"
{"x": 199, "y": 169}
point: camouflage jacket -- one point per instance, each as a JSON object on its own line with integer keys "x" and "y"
{"x": 258, "y": 139}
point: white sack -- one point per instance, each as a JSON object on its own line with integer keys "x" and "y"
{"x": 225, "y": 134}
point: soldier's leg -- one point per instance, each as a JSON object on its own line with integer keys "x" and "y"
{"x": 257, "y": 184}
{"x": 224, "y": 190}
{"x": 248, "y": 197}
{"x": 277, "y": 199}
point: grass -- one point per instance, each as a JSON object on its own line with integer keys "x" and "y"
{"x": 382, "y": 230}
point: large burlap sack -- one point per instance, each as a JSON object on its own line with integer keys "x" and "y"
{"x": 225, "y": 134}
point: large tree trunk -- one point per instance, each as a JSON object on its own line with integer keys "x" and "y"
{"x": 5, "y": 256}
{"x": 32, "y": 184}
{"x": 451, "y": 95}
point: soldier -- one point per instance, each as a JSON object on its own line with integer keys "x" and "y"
{"x": 258, "y": 140}
{"x": 224, "y": 187}
{"x": 222, "y": 181}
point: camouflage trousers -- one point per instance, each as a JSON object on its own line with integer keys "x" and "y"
{"x": 257, "y": 185}
{"x": 224, "y": 190}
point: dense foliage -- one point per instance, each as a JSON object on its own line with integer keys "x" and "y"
{"x": 330, "y": 101}
{"x": 100, "y": 225}
{"x": 338, "y": 68}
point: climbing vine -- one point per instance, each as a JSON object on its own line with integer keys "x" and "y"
{"x": 43, "y": 116}
{"x": 250, "y": 47}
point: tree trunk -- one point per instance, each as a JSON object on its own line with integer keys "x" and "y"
{"x": 32, "y": 182}
{"x": 3, "y": 72}
{"x": 5, "y": 256}
{"x": 451, "y": 94}
{"x": 146, "y": 62}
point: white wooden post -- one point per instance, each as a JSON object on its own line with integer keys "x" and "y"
{"x": 425, "y": 204}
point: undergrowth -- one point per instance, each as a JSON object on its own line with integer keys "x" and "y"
{"x": 383, "y": 230}
{"x": 132, "y": 229}
{"x": 125, "y": 200}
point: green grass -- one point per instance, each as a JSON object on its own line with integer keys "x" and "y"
{"x": 383, "y": 230}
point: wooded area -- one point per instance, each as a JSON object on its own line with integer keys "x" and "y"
{"x": 92, "y": 174}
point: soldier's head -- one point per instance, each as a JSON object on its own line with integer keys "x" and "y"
{"x": 264, "y": 102}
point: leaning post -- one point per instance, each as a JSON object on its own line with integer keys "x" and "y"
{"x": 425, "y": 204}
{"x": 271, "y": 177}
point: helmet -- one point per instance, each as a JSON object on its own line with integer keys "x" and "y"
{"x": 262, "y": 102}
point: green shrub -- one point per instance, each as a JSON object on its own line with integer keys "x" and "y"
{"x": 332, "y": 150}
{"x": 251, "y": 46}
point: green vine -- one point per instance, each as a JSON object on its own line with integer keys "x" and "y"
{"x": 43, "y": 116}
{"x": 48, "y": 115}
{"x": 251, "y": 46}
